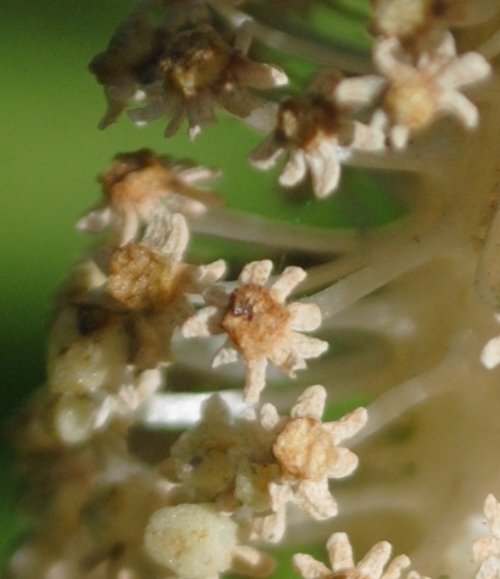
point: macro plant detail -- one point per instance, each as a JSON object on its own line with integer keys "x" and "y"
{"x": 138, "y": 186}
{"x": 259, "y": 326}
{"x": 315, "y": 130}
{"x": 341, "y": 559}
{"x": 178, "y": 434}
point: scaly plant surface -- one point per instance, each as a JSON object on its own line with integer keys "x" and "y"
{"x": 201, "y": 412}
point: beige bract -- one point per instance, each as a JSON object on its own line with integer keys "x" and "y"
{"x": 309, "y": 454}
{"x": 372, "y": 566}
{"x": 259, "y": 325}
{"x": 486, "y": 550}
{"x": 416, "y": 96}
{"x": 197, "y": 69}
{"x": 140, "y": 185}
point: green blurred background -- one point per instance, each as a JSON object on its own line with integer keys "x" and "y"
{"x": 52, "y": 152}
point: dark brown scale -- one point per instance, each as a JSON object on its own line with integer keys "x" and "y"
{"x": 91, "y": 319}
{"x": 241, "y": 308}
{"x": 313, "y": 113}
{"x": 126, "y": 163}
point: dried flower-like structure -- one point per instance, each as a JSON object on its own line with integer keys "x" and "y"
{"x": 141, "y": 186}
{"x": 416, "y": 96}
{"x": 93, "y": 432}
{"x": 127, "y": 61}
{"x": 198, "y": 68}
{"x": 152, "y": 287}
{"x": 211, "y": 459}
{"x": 263, "y": 461}
{"x": 309, "y": 454}
{"x": 486, "y": 550}
{"x": 259, "y": 326}
{"x": 314, "y": 130}
{"x": 343, "y": 565}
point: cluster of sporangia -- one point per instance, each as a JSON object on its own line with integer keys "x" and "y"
{"x": 99, "y": 511}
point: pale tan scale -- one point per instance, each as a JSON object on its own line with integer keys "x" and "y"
{"x": 305, "y": 450}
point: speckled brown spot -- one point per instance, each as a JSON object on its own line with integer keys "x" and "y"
{"x": 254, "y": 320}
